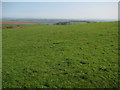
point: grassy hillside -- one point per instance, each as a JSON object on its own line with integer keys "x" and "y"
{"x": 58, "y": 56}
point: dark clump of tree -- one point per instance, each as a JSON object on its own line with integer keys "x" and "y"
{"x": 11, "y": 26}
{"x": 62, "y": 23}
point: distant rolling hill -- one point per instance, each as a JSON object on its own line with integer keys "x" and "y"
{"x": 48, "y": 21}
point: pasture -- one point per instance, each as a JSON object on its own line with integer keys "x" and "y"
{"x": 60, "y": 56}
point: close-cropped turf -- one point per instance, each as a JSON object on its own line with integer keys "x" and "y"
{"x": 61, "y": 56}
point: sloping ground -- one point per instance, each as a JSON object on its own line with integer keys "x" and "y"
{"x": 58, "y": 56}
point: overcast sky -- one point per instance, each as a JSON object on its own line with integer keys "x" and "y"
{"x": 65, "y": 10}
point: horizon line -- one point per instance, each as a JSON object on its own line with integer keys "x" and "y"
{"x": 58, "y": 18}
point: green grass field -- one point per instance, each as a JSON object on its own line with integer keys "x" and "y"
{"x": 61, "y": 56}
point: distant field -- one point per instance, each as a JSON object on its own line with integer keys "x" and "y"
{"x": 7, "y": 22}
{"x": 60, "y": 56}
